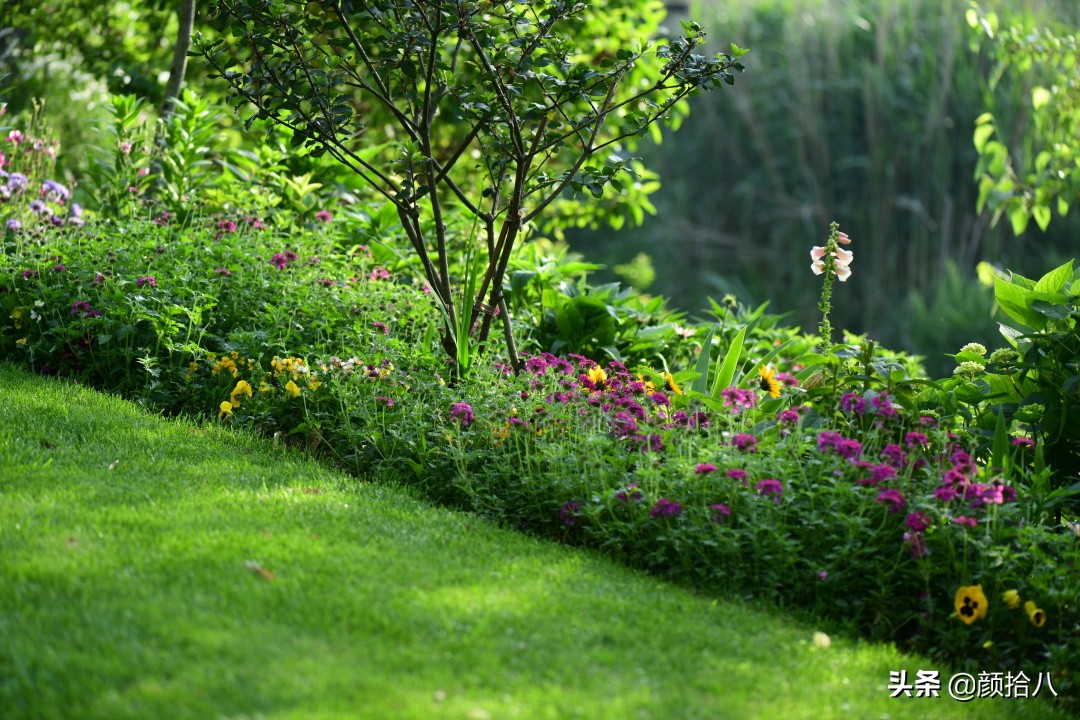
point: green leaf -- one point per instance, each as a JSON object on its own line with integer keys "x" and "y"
{"x": 1001, "y": 443}
{"x": 1016, "y": 303}
{"x": 982, "y": 134}
{"x": 1018, "y": 218}
{"x": 1054, "y": 281}
{"x": 731, "y": 360}
{"x": 701, "y": 382}
{"x": 1041, "y": 213}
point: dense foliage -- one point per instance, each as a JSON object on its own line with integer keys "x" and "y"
{"x": 732, "y": 453}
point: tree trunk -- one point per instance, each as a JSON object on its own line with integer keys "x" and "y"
{"x": 186, "y": 15}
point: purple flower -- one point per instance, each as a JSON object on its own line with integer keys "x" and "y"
{"x": 853, "y": 403}
{"x": 946, "y": 493}
{"x": 1023, "y": 442}
{"x": 894, "y": 455}
{"x": 965, "y": 521}
{"x": 59, "y": 267}
{"x": 462, "y": 413}
{"x": 147, "y": 280}
{"x": 323, "y": 215}
{"x": 631, "y": 492}
{"x": 738, "y": 398}
{"x": 704, "y": 468}
{"x": 279, "y": 261}
{"x": 227, "y": 226}
{"x": 79, "y": 306}
{"x": 665, "y": 508}
{"x": 29, "y": 273}
{"x": 660, "y": 399}
{"x": 848, "y": 449}
{"x": 912, "y": 439}
{"x": 719, "y": 512}
{"x": 917, "y": 544}
{"x": 893, "y": 498}
{"x": 53, "y": 190}
{"x": 883, "y": 405}
{"x": 770, "y": 487}
{"x": 744, "y": 443}
{"x": 736, "y": 474}
{"x": 14, "y": 225}
{"x": 222, "y": 271}
{"x": 536, "y": 365}
{"x": 917, "y": 521}
{"x": 790, "y": 416}
{"x": 568, "y": 513}
{"x": 623, "y": 424}
{"x": 381, "y": 326}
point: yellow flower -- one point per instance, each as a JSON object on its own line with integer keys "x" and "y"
{"x": 313, "y": 384}
{"x": 226, "y": 410}
{"x": 1036, "y": 615}
{"x": 971, "y": 603}
{"x": 20, "y": 341}
{"x": 1011, "y": 599}
{"x": 292, "y": 388}
{"x": 17, "y": 315}
{"x": 672, "y": 385}
{"x": 649, "y": 385}
{"x": 242, "y": 388}
{"x": 768, "y": 383}
{"x": 598, "y": 377}
{"x": 264, "y": 387}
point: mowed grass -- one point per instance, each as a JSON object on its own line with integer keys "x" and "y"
{"x": 153, "y": 568}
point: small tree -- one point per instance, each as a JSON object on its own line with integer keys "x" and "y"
{"x": 492, "y": 108}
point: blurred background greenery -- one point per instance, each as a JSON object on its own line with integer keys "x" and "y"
{"x": 859, "y": 111}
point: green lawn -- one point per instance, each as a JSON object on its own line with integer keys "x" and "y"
{"x": 162, "y": 569}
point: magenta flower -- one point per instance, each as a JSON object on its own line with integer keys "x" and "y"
{"x": 379, "y": 273}
{"x": 894, "y": 455}
{"x": 916, "y": 543}
{"x": 147, "y": 280}
{"x": 381, "y": 326}
{"x": 79, "y": 306}
{"x": 227, "y": 226}
{"x": 946, "y": 493}
{"x": 770, "y": 488}
{"x": 568, "y": 513}
{"x": 665, "y": 508}
{"x": 720, "y": 512}
{"x": 736, "y": 474}
{"x": 323, "y": 215}
{"x": 536, "y": 365}
{"x": 631, "y": 492}
{"x": 917, "y": 521}
{"x": 744, "y": 443}
{"x": 222, "y": 271}
{"x": 965, "y": 521}
{"x": 462, "y": 412}
{"x": 738, "y": 398}
{"x": 893, "y": 498}
{"x": 853, "y": 403}
{"x": 704, "y": 468}
{"x": 912, "y": 439}
{"x": 1026, "y": 443}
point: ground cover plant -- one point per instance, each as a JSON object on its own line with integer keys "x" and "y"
{"x": 731, "y": 454}
{"x": 176, "y": 569}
